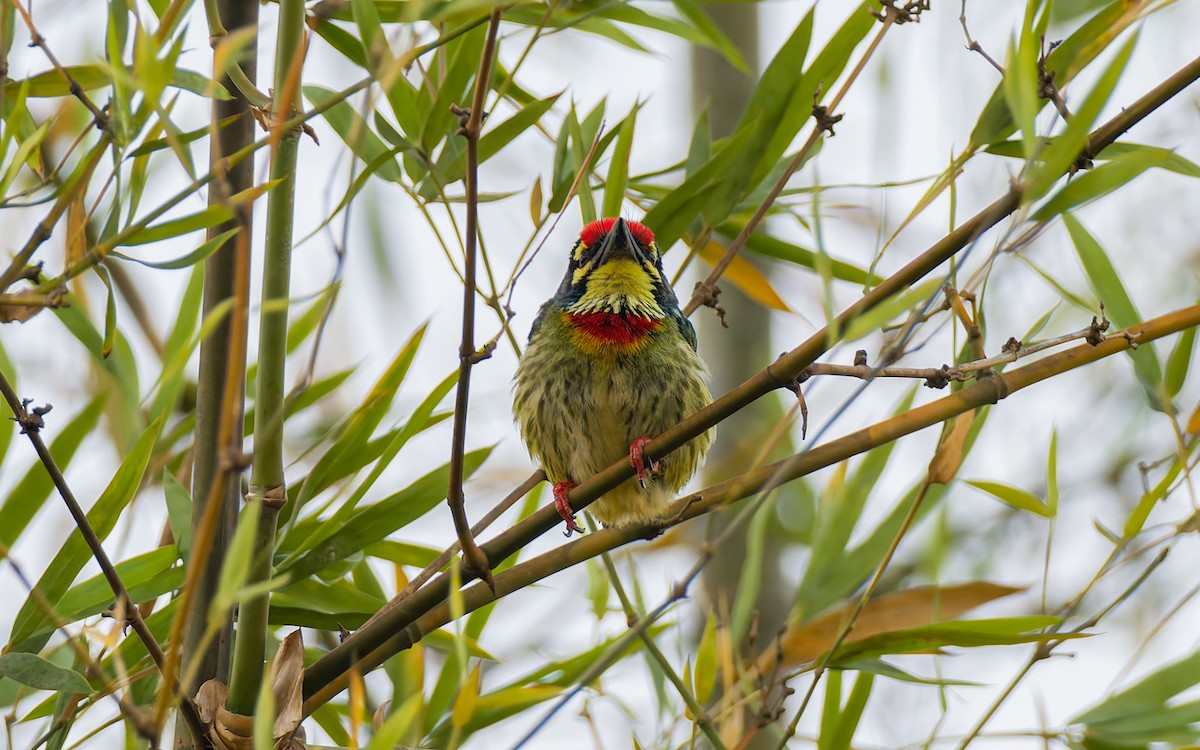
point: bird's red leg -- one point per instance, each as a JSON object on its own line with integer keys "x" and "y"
{"x": 563, "y": 506}
{"x": 638, "y": 462}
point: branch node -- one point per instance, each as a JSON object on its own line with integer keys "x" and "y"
{"x": 706, "y": 294}
{"x": 825, "y": 120}
{"x": 940, "y": 379}
{"x": 910, "y": 12}
{"x": 31, "y": 420}
{"x": 1096, "y": 331}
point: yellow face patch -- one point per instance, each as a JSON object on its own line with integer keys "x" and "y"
{"x": 619, "y": 286}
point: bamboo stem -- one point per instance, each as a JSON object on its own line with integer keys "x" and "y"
{"x": 266, "y": 478}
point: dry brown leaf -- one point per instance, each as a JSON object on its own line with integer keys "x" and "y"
{"x": 231, "y": 731}
{"x": 949, "y": 454}
{"x": 900, "y": 610}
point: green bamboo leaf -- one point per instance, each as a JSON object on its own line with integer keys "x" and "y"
{"x": 671, "y": 216}
{"x": 1052, "y": 475}
{"x": 1146, "y": 503}
{"x": 31, "y": 492}
{"x": 342, "y": 457}
{"x": 495, "y": 139}
{"x": 461, "y": 57}
{"x": 580, "y": 145}
{"x": 561, "y": 174}
{"x": 1020, "y": 83}
{"x": 618, "y": 168}
{"x": 884, "y": 313}
{"x": 884, "y": 669}
{"x": 146, "y": 576}
{"x": 235, "y": 570}
{"x": 110, "y": 312}
{"x": 1179, "y": 361}
{"x": 403, "y": 553}
{"x": 1099, "y": 181}
{"x": 1001, "y": 631}
{"x": 783, "y": 99}
{"x": 209, "y": 217}
{"x": 372, "y": 523}
{"x": 706, "y": 661}
{"x": 74, "y": 553}
{"x": 179, "y": 512}
{"x": 700, "y": 146}
{"x": 193, "y": 258}
{"x": 772, "y": 247}
{"x": 198, "y": 83}
{"x": 342, "y": 41}
{"x": 1065, "y": 61}
{"x": 708, "y": 33}
{"x": 182, "y": 341}
{"x": 38, "y": 673}
{"x": 1058, "y": 158}
{"x": 397, "y": 725}
{"x": 353, "y": 130}
{"x": 851, "y": 713}
{"x": 1014, "y": 497}
{"x": 1119, "y": 307}
{"x": 51, "y": 83}
{"x": 1148, "y": 694}
{"x": 26, "y": 150}
{"x": 375, "y": 48}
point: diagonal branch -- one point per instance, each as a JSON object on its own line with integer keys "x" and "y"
{"x": 781, "y": 373}
{"x": 323, "y": 679}
{"x": 472, "y": 122}
{"x": 31, "y": 424}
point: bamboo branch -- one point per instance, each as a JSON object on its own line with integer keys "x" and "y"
{"x": 781, "y": 373}
{"x": 328, "y": 676}
{"x": 472, "y": 123}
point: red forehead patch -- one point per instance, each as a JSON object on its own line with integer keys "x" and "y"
{"x": 592, "y": 233}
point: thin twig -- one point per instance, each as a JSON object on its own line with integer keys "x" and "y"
{"x": 31, "y": 423}
{"x": 444, "y": 557}
{"x": 973, "y": 45}
{"x": 472, "y": 123}
{"x": 939, "y": 377}
{"x": 823, "y": 121}
{"x": 37, "y": 40}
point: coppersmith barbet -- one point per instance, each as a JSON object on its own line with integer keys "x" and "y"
{"x": 612, "y": 361}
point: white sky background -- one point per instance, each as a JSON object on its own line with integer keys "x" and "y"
{"x": 913, "y": 107}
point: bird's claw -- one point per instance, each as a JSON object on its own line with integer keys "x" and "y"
{"x": 563, "y": 506}
{"x": 638, "y": 461}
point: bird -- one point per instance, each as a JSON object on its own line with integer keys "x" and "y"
{"x": 612, "y": 360}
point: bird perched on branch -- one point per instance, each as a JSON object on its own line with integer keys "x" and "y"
{"x": 611, "y": 362}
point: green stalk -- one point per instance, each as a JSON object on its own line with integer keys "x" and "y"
{"x": 220, "y": 274}
{"x": 266, "y": 476}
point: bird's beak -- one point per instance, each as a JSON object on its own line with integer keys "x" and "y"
{"x": 619, "y": 244}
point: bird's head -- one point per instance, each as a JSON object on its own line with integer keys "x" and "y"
{"x": 616, "y": 268}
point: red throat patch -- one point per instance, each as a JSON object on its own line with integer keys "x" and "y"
{"x": 621, "y": 331}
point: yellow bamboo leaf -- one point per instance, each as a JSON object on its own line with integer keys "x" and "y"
{"x": 535, "y": 201}
{"x": 464, "y": 703}
{"x": 1193, "y": 423}
{"x": 743, "y": 274}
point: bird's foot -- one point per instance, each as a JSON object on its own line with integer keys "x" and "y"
{"x": 563, "y": 506}
{"x": 638, "y": 461}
